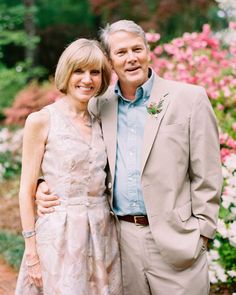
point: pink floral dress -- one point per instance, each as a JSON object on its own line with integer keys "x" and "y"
{"x": 77, "y": 243}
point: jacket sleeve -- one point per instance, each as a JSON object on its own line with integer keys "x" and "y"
{"x": 205, "y": 165}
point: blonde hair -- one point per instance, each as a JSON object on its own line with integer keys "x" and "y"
{"x": 82, "y": 53}
{"x": 121, "y": 25}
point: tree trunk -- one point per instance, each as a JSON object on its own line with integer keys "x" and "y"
{"x": 29, "y": 25}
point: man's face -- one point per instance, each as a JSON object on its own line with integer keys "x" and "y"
{"x": 129, "y": 58}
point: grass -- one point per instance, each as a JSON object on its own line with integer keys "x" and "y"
{"x": 11, "y": 248}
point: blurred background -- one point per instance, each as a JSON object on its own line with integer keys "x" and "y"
{"x": 33, "y": 33}
{"x": 190, "y": 40}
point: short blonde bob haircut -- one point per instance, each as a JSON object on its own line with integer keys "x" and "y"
{"x": 84, "y": 54}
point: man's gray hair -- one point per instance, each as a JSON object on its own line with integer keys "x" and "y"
{"x": 121, "y": 25}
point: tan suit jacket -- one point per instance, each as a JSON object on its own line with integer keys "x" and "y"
{"x": 180, "y": 169}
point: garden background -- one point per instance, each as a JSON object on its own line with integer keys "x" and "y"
{"x": 190, "y": 40}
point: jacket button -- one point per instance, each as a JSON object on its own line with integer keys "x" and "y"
{"x": 109, "y": 185}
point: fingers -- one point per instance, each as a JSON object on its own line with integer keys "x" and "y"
{"x": 46, "y": 207}
{"x": 35, "y": 274}
{"x": 43, "y": 187}
{"x": 44, "y": 200}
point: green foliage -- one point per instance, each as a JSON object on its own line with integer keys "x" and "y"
{"x": 12, "y": 33}
{"x": 12, "y": 80}
{"x": 11, "y": 248}
{"x": 9, "y": 165}
{"x": 227, "y": 259}
{"x": 11, "y": 25}
{"x": 70, "y": 12}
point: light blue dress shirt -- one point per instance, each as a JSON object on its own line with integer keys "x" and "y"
{"x": 128, "y": 196}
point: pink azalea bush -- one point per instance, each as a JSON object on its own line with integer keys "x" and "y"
{"x": 202, "y": 59}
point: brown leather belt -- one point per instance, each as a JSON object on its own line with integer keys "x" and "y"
{"x": 137, "y": 219}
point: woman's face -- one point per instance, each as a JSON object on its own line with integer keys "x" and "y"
{"x": 84, "y": 83}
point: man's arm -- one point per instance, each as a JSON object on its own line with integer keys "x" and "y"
{"x": 44, "y": 200}
{"x": 205, "y": 165}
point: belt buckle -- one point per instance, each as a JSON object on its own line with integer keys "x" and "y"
{"x": 136, "y": 219}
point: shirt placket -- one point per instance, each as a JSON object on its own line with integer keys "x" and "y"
{"x": 132, "y": 156}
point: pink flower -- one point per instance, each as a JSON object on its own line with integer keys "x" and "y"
{"x": 220, "y": 107}
{"x": 158, "y": 50}
{"x": 234, "y": 126}
{"x": 232, "y": 25}
{"x": 153, "y": 37}
{"x": 224, "y": 153}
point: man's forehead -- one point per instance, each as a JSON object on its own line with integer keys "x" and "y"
{"x": 124, "y": 39}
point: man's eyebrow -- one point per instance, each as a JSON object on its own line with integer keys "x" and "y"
{"x": 120, "y": 48}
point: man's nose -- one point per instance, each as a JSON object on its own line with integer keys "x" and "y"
{"x": 131, "y": 56}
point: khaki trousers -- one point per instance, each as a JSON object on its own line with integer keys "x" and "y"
{"x": 145, "y": 272}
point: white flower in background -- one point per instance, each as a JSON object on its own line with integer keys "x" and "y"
{"x": 220, "y": 273}
{"x": 232, "y": 181}
{"x": 231, "y": 273}
{"x": 232, "y": 233}
{"x": 221, "y": 228}
{"x": 2, "y": 171}
{"x": 225, "y": 172}
{"x": 216, "y": 271}
{"x": 216, "y": 243}
{"x": 16, "y": 141}
{"x": 233, "y": 210}
{"x": 226, "y": 201}
{"x": 228, "y": 7}
{"x": 212, "y": 277}
{"x": 213, "y": 255}
{"x": 230, "y": 163}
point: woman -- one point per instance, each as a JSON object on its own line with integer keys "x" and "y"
{"x": 73, "y": 250}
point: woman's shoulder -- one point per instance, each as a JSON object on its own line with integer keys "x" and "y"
{"x": 38, "y": 118}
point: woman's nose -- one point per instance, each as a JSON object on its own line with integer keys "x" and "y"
{"x": 87, "y": 76}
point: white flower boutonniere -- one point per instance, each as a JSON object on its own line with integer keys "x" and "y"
{"x": 154, "y": 109}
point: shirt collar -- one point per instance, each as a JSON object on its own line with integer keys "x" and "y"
{"x": 142, "y": 91}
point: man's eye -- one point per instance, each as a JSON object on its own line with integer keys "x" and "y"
{"x": 138, "y": 49}
{"x": 121, "y": 52}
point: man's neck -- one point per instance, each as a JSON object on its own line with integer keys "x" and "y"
{"x": 128, "y": 92}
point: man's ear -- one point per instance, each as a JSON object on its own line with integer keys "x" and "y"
{"x": 149, "y": 53}
{"x": 111, "y": 63}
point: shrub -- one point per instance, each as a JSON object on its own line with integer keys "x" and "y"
{"x": 30, "y": 99}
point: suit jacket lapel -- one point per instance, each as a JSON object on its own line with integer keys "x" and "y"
{"x": 158, "y": 93}
{"x": 109, "y": 127}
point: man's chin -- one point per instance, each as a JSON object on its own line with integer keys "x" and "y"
{"x": 136, "y": 80}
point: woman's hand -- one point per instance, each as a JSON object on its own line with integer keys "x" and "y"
{"x": 34, "y": 270}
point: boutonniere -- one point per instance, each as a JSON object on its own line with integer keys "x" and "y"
{"x": 154, "y": 109}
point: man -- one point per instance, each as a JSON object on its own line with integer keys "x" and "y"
{"x": 165, "y": 171}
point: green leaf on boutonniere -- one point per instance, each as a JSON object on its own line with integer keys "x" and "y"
{"x": 154, "y": 109}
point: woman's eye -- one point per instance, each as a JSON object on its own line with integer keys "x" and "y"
{"x": 78, "y": 71}
{"x": 95, "y": 72}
